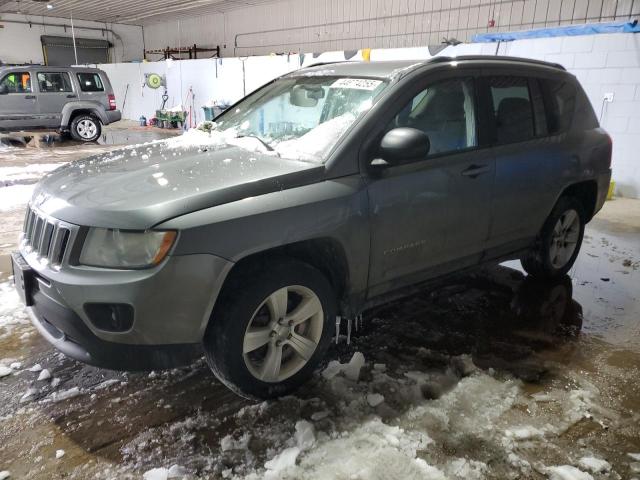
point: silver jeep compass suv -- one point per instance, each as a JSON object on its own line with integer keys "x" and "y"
{"x": 67, "y": 99}
{"x": 327, "y": 191}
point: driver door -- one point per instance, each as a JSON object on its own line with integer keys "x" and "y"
{"x": 432, "y": 215}
{"x": 18, "y": 102}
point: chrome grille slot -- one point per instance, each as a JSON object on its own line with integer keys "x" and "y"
{"x": 46, "y": 237}
{"x": 62, "y": 240}
{"x": 28, "y": 224}
{"x": 37, "y": 233}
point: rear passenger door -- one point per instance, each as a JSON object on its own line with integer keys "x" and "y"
{"x": 527, "y": 159}
{"x": 55, "y": 90}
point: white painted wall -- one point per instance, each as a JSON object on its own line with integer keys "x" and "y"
{"x": 21, "y": 43}
{"x": 602, "y": 63}
{"x": 209, "y": 80}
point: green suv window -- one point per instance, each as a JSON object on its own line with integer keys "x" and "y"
{"x": 51, "y": 82}
{"x": 16, "y": 82}
{"x": 90, "y": 82}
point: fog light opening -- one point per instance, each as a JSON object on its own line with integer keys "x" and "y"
{"x": 110, "y": 317}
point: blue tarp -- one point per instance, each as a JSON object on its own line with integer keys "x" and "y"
{"x": 570, "y": 30}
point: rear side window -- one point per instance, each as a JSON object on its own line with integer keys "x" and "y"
{"x": 16, "y": 82}
{"x": 512, "y": 109}
{"x": 560, "y": 103}
{"x": 90, "y": 82}
{"x": 51, "y": 82}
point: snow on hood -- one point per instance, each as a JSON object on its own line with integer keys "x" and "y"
{"x": 149, "y": 183}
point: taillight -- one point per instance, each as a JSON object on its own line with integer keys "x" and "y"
{"x": 112, "y": 101}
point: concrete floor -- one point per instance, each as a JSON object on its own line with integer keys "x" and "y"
{"x": 486, "y": 357}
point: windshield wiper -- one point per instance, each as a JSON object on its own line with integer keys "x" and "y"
{"x": 266, "y": 145}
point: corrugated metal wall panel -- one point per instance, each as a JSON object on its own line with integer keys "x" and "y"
{"x": 322, "y": 25}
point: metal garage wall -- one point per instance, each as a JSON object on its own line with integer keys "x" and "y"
{"x": 59, "y": 51}
{"x": 326, "y": 25}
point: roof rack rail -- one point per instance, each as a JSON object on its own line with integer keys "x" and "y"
{"x": 498, "y": 58}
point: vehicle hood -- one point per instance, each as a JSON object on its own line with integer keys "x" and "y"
{"x": 139, "y": 187}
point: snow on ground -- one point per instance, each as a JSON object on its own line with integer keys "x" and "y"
{"x": 15, "y": 196}
{"x": 12, "y": 313}
{"x": 567, "y": 472}
{"x": 25, "y": 174}
{"x": 401, "y": 434}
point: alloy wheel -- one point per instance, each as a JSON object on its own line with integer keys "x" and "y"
{"x": 283, "y": 333}
{"x": 86, "y": 128}
{"x": 564, "y": 238}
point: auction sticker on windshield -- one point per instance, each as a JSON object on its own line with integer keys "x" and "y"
{"x": 358, "y": 83}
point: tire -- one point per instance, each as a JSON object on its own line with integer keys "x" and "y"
{"x": 559, "y": 241}
{"x": 85, "y": 128}
{"x": 252, "y": 302}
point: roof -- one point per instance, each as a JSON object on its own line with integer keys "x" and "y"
{"x": 389, "y": 69}
{"x": 385, "y": 69}
{"x": 47, "y": 68}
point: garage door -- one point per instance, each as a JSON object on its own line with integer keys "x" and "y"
{"x": 58, "y": 51}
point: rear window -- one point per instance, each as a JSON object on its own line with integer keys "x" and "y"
{"x": 50, "y": 82}
{"x": 90, "y": 82}
{"x": 512, "y": 109}
{"x": 560, "y": 103}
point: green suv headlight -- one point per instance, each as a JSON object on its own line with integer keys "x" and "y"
{"x": 125, "y": 249}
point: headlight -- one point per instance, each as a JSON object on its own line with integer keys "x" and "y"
{"x": 125, "y": 249}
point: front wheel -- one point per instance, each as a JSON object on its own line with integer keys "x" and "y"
{"x": 85, "y": 128}
{"x": 559, "y": 242}
{"x": 270, "y": 329}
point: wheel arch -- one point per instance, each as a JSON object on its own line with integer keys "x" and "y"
{"x": 586, "y": 192}
{"x": 326, "y": 254}
{"x": 69, "y": 113}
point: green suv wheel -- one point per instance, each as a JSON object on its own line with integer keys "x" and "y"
{"x": 85, "y": 128}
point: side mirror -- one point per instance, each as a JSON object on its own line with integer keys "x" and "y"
{"x": 404, "y": 145}
{"x": 4, "y": 90}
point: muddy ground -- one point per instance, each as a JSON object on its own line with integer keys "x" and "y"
{"x": 491, "y": 375}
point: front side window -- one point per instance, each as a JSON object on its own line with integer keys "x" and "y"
{"x": 512, "y": 109}
{"x": 445, "y": 112}
{"x": 90, "y": 82}
{"x": 54, "y": 82}
{"x": 16, "y": 82}
{"x": 300, "y": 118}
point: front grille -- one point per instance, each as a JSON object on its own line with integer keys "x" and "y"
{"x": 45, "y": 236}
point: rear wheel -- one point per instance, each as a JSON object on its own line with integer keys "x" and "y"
{"x": 559, "y": 242}
{"x": 85, "y": 128}
{"x": 271, "y": 329}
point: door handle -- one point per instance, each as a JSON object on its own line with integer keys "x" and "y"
{"x": 30, "y": 97}
{"x": 475, "y": 170}
{"x": 72, "y": 96}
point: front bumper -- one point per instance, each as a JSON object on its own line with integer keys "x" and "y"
{"x": 66, "y": 331}
{"x": 171, "y": 306}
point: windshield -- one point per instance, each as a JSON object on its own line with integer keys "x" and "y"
{"x": 299, "y": 118}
